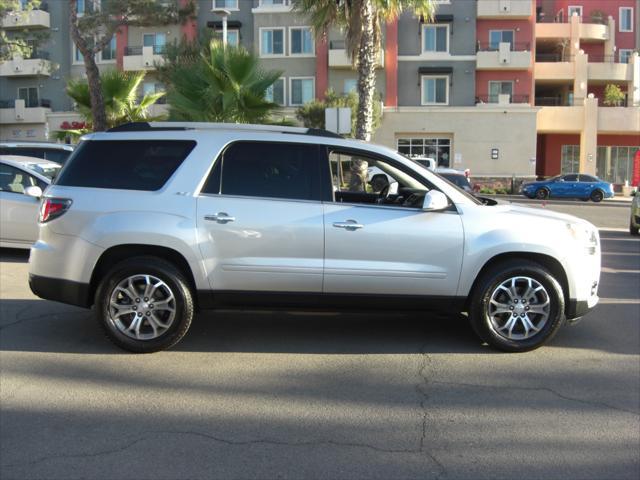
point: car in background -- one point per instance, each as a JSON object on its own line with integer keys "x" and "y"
{"x": 459, "y": 178}
{"x": 572, "y": 185}
{"x": 22, "y": 181}
{"x": 634, "y": 221}
{"x": 54, "y": 152}
{"x": 428, "y": 162}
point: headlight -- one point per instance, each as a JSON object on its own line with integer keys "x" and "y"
{"x": 586, "y": 235}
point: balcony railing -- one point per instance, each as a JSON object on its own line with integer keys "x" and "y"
{"x": 494, "y": 47}
{"x": 42, "y": 102}
{"x": 602, "y": 58}
{"x": 137, "y": 50}
{"x": 337, "y": 45}
{"x": 558, "y": 101}
{"x": 553, "y": 57}
{"x": 487, "y": 98}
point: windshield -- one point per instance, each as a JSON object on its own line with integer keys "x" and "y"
{"x": 459, "y": 180}
{"x": 49, "y": 170}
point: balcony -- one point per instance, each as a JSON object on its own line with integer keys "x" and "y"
{"x": 560, "y": 119}
{"x": 620, "y": 120}
{"x": 37, "y": 64}
{"x": 503, "y": 56}
{"x": 553, "y": 71}
{"x": 605, "y": 68}
{"x": 142, "y": 58}
{"x": 17, "y": 111}
{"x": 588, "y": 32}
{"x": 338, "y": 57}
{"x": 29, "y": 19}
{"x": 513, "y": 9}
{"x": 501, "y": 100}
{"x": 593, "y": 32}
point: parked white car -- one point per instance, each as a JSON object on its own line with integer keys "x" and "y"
{"x": 54, "y": 152}
{"x": 22, "y": 181}
{"x": 151, "y": 222}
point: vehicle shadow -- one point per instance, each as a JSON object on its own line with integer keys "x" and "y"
{"x": 14, "y": 255}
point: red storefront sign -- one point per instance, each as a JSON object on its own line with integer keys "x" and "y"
{"x": 635, "y": 178}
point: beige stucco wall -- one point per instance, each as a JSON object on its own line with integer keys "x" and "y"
{"x": 474, "y": 133}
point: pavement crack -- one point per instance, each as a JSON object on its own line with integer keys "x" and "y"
{"x": 539, "y": 389}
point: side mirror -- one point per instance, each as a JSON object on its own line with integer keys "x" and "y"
{"x": 33, "y": 191}
{"x": 435, "y": 200}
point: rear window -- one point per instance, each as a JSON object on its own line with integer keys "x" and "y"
{"x": 458, "y": 180}
{"x": 125, "y": 164}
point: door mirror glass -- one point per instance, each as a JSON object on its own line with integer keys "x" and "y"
{"x": 33, "y": 191}
{"x": 435, "y": 200}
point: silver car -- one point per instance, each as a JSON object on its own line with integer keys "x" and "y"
{"x": 22, "y": 181}
{"x": 151, "y": 222}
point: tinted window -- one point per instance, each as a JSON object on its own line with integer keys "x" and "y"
{"x": 58, "y": 156}
{"x": 458, "y": 180}
{"x": 277, "y": 170}
{"x": 125, "y": 164}
{"x": 571, "y": 178}
{"x": 588, "y": 178}
{"x": 24, "y": 151}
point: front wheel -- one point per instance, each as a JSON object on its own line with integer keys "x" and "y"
{"x": 542, "y": 194}
{"x": 517, "y": 306}
{"x": 633, "y": 230}
{"x": 144, "y": 304}
{"x": 597, "y": 196}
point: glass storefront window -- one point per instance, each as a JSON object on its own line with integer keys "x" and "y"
{"x": 570, "y": 159}
{"x": 615, "y": 164}
{"x": 436, "y": 148}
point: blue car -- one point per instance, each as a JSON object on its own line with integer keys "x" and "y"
{"x": 573, "y": 185}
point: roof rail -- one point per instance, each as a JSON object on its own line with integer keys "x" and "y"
{"x": 143, "y": 126}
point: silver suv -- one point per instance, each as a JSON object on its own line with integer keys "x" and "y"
{"x": 151, "y": 222}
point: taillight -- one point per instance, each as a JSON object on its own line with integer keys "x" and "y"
{"x": 51, "y": 208}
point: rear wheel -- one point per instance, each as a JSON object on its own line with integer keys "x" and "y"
{"x": 144, "y": 304}
{"x": 517, "y": 306}
{"x": 542, "y": 194}
{"x": 633, "y": 230}
{"x": 597, "y": 196}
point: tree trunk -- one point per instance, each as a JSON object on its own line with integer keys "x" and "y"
{"x": 99, "y": 117}
{"x": 367, "y": 55}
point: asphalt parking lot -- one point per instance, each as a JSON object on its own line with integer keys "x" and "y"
{"x": 324, "y": 395}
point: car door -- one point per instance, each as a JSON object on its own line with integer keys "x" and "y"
{"x": 260, "y": 219}
{"x": 386, "y": 249}
{"x": 18, "y": 212}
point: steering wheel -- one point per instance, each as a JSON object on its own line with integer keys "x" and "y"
{"x": 384, "y": 194}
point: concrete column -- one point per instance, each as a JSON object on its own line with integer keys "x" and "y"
{"x": 580, "y": 77}
{"x": 634, "y": 84}
{"x": 610, "y": 42}
{"x": 589, "y": 136}
{"x": 574, "y": 38}
{"x": 391, "y": 64}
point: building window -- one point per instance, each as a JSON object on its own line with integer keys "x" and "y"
{"x": 109, "y": 51}
{"x": 80, "y": 7}
{"x": 156, "y": 40}
{"x": 271, "y": 41}
{"x": 499, "y": 88}
{"x": 270, "y": 3}
{"x": 496, "y": 37}
{"x": 625, "y": 54}
{"x": 275, "y": 93}
{"x": 29, "y": 95}
{"x": 437, "y": 148}
{"x": 435, "y": 38}
{"x": 233, "y": 37}
{"x": 350, "y": 85}
{"x": 301, "y": 41}
{"x": 226, "y": 4}
{"x": 615, "y": 164}
{"x": 435, "y": 90}
{"x": 302, "y": 90}
{"x": 626, "y": 19}
{"x": 570, "y": 159}
{"x": 77, "y": 56}
{"x": 571, "y": 9}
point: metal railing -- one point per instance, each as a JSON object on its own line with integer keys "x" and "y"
{"x": 42, "y": 102}
{"x": 337, "y": 45}
{"x": 558, "y": 101}
{"x": 553, "y": 57}
{"x": 486, "y": 98}
{"x": 137, "y": 50}
{"x": 494, "y": 47}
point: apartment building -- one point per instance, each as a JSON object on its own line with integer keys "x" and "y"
{"x": 503, "y": 87}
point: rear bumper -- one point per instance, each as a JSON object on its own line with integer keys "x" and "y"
{"x": 58, "y": 290}
{"x": 578, "y": 308}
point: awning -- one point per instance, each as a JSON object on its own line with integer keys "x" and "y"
{"x": 435, "y": 70}
{"x": 217, "y": 25}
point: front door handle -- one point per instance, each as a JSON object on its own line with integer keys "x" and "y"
{"x": 350, "y": 225}
{"x": 220, "y": 217}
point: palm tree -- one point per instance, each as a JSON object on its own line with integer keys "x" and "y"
{"x": 361, "y": 20}
{"x": 219, "y": 85}
{"x": 121, "y": 100}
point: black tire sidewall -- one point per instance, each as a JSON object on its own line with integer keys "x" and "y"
{"x": 481, "y": 322}
{"x": 596, "y": 194}
{"x": 542, "y": 194}
{"x": 166, "y": 273}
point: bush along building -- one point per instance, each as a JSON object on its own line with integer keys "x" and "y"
{"x": 506, "y": 88}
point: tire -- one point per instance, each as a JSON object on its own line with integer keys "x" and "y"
{"x": 542, "y": 194}
{"x": 633, "y": 230}
{"x": 596, "y": 196}
{"x": 492, "y": 325}
{"x": 162, "y": 325}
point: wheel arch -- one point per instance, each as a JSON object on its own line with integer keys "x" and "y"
{"x": 547, "y": 261}
{"x": 118, "y": 253}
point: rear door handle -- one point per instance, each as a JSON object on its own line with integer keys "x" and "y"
{"x": 350, "y": 225}
{"x": 220, "y": 217}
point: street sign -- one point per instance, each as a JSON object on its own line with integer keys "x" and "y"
{"x": 337, "y": 120}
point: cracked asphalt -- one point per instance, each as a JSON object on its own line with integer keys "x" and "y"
{"x": 271, "y": 395}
